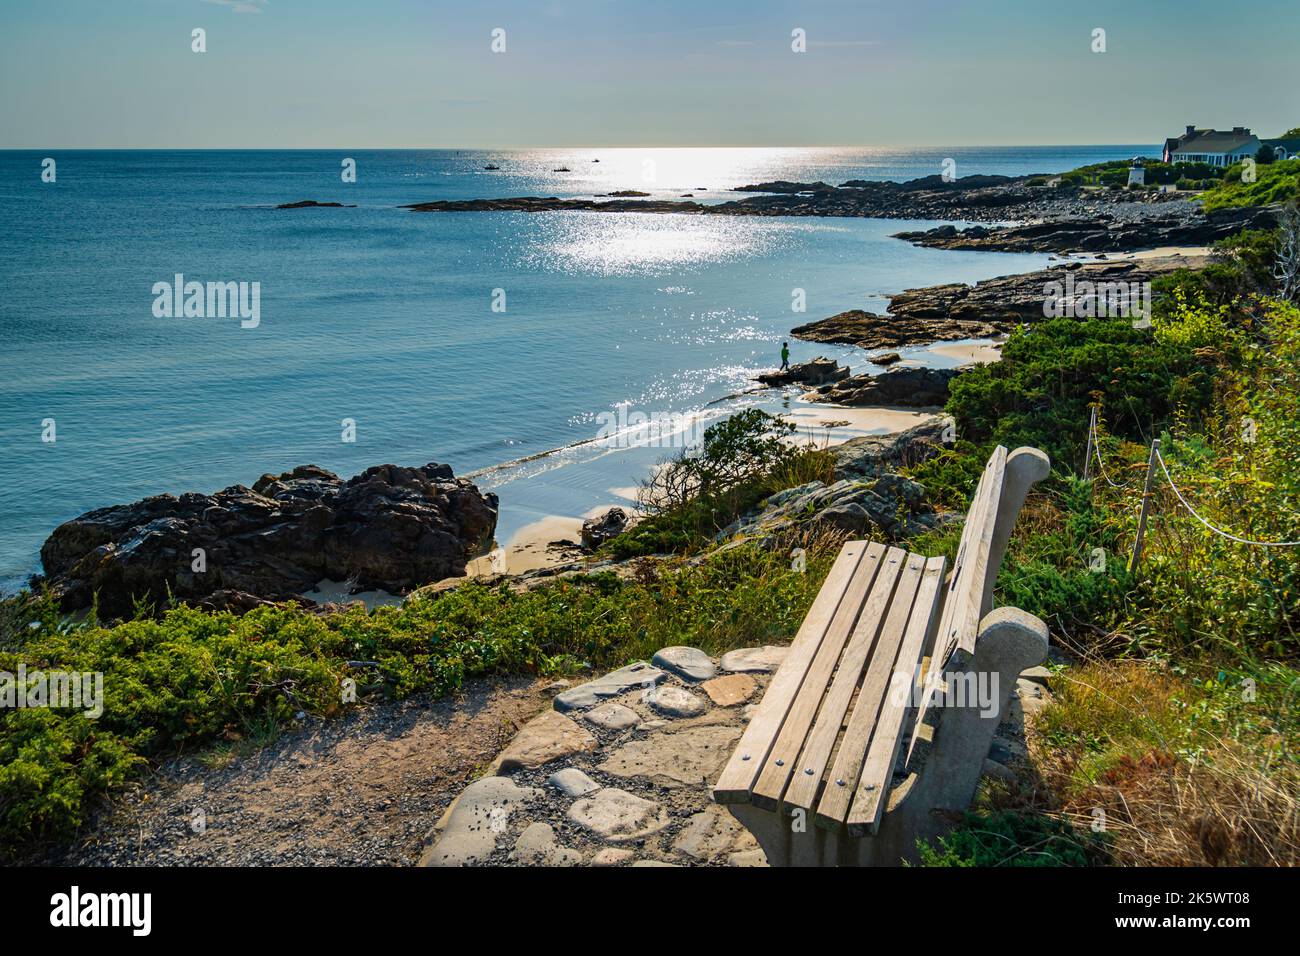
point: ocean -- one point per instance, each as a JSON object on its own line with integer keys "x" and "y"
{"x": 475, "y": 339}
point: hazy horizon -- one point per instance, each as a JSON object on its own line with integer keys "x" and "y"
{"x": 400, "y": 74}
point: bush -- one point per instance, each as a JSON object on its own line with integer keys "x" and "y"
{"x": 1040, "y": 392}
{"x": 1015, "y": 838}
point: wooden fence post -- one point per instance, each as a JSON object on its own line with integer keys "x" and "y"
{"x": 1146, "y": 505}
{"x": 1092, "y": 430}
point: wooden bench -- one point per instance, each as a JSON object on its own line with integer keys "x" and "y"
{"x": 821, "y": 775}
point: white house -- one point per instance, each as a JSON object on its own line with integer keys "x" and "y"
{"x": 1211, "y": 146}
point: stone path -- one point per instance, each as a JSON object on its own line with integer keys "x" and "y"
{"x": 618, "y": 772}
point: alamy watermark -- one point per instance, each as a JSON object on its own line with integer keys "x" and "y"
{"x": 210, "y": 300}
{"x": 625, "y": 427}
{"x": 67, "y": 690}
{"x": 1086, "y": 299}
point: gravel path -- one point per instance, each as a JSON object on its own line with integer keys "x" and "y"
{"x": 364, "y": 790}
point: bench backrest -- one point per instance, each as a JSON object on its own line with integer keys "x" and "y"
{"x": 969, "y": 594}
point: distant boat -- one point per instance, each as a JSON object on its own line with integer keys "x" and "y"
{"x": 490, "y": 166}
{"x": 595, "y": 160}
{"x": 562, "y": 169}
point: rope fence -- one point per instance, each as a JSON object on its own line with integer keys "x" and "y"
{"x": 1157, "y": 459}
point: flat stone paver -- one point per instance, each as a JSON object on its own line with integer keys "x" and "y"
{"x": 693, "y": 756}
{"x": 675, "y": 702}
{"x": 572, "y": 782}
{"x": 536, "y": 846}
{"x": 753, "y": 660}
{"x": 730, "y": 690}
{"x": 708, "y": 834}
{"x": 548, "y": 736}
{"x": 617, "y": 816}
{"x": 612, "y": 684}
{"x": 477, "y": 819}
{"x": 612, "y": 716}
{"x": 688, "y": 663}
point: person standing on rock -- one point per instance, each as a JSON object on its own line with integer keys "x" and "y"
{"x": 785, "y": 356}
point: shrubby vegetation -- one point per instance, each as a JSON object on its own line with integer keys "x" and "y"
{"x": 1274, "y": 183}
{"x": 1178, "y": 724}
{"x": 1176, "y": 719}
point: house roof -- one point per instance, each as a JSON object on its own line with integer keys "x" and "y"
{"x": 1213, "y": 141}
{"x": 1290, "y": 145}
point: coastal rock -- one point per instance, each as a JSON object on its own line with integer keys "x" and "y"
{"x": 870, "y": 456}
{"x": 475, "y": 822}
{"x": 884, "y": 358}
{"x": 596, "y": 531}
{"x": 753, "y": 660}
{"x": 314, "y": 204}
{"x": 617, "y": 816}
{"x": 888, "y": 505}
{"x": 548, "y": 736}
{"x": 689, "y": 663}
{"x": 390, "y": 528}
{"x": 1178, "y": 227}
{"x": 820, "y": 371}
{"x": 612, "y": 684}
{"x": 915, "y": 386}
{"x": 991, "y": 308}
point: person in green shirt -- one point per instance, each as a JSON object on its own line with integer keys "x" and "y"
{"x": 785, "y": 356}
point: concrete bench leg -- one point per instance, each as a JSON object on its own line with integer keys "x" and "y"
{"x": 1010, "y": 640}
{"x": 925, "y": 806}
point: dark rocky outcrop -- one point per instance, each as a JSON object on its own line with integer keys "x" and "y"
{"x": 870, "y": 456}
{"x": 1101, "y": 232}
{"x": 820, "y": 371}
{"x": 945, "y": 313}
{"x": 910, "y": 386}
{"x": 314, "y": 204}
{"x": 596, "y": 531}
{"x": 390, "y": 528}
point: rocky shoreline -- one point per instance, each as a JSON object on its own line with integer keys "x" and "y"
{"x": 988, "y": 309}
{"x": 1043, "y": 218}
{"x": 389, "y": 528}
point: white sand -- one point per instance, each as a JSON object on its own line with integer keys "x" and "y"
{"x": 828, "y": 425}
{"x": 979, "y": 353}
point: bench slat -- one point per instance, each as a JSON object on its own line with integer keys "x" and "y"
{"x": 878, "y": 769}
{"x": 871, "y": 636}
{"x": 775, "y": 771}
{"x": 889, "y": 627}
{"x": 965, "y": 590}
{"x": 747, "y": 759}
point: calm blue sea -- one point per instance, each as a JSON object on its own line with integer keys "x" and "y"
{"x": 385, "y": 317}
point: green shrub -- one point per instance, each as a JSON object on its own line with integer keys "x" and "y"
{"x": 1015, "y": 838}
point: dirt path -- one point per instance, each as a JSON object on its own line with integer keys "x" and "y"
{"x": 365, "y": 790}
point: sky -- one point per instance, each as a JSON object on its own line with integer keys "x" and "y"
{"x": 402, "y": 73}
